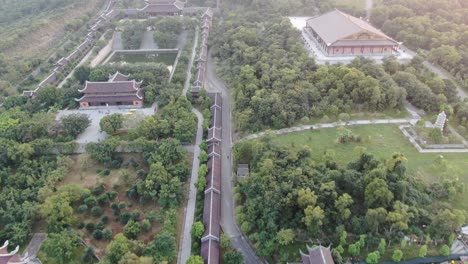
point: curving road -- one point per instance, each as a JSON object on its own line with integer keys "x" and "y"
{"x": 228, "y": 222}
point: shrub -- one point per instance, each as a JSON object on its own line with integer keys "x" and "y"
{"x": 141, "y": 173}
{"x": 98, "y": 189}
{"x": 125, "y": 217}
{"x": 97, "y": 234}
{"x": 197, "y": 230}
{"x": 96, "y": 211}
{"x": 102, "y": 200}
{"x": 105, "y": 172}
{"x": 107, "y": 234}
{"x": 105, "y": 219}
{"x": 136, "y": 215}
{"x": 82, "y": 208}
{"x": 100, "y": 225}
{"x": 151, "y": 216}
{"x": 80, "y": 225}
{"x": 90, "y": 201}
{"x": 132, "y": 230}
{"x": 145, "y": 225}
{"x": 90, "y": 227}
{"x": 122, "y": 205}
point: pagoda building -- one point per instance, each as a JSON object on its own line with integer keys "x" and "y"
{"x": 340, "y": 34}
{"x": 118, "y": 90}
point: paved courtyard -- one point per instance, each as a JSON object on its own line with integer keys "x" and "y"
{"x": 93, "y": 133}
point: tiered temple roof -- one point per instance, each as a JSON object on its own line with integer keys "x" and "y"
{"x": 210, "y": 249}
{"x": 203, "y": 54}
{"x": 117, "y": 89}
{"x": 336, "y": 28}
{"x": 11, "y": 257}
{"x": 317, "y": 255}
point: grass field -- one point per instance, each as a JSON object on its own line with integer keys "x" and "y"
{"x": 383, "y": 141}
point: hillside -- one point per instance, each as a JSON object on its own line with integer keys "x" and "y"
{"x": 31, "y": 30}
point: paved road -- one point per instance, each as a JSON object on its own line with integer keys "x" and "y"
{"x": 192, "y": 58}
{"x": 185, "y": 243}
{"x": 228, "y": 222}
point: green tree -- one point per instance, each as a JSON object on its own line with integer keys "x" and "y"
{"x": 132, "y": 229}
{"x": 377, "y": 194}
{"x": 60, "y": 246}
{"x": 117, "y": 248}
{"x": 111, "y": 123}
{"x": 373, "y": 257}
{"x": 195, "y": 260}
{"x": 375, "y": 218}
{"x": 146, "y": 225}
{"x": 342, "y": 205}
{"x": 74, "y": 124}
{"x": 58, "y": 212}
{"x": 163, "y": 248}
{"x": 423, "y": 251}
{"x": 444, "y": 250}
{"x": 354, "y": 250}
{"x": 197, "y": 230}
{"x": 343, "y": 237}
{"x": 285, "y": 236}
{"x": 397, "y": 255}
{"x": 382, "y": 246}
{"x": 225, "y": 241}
{"x": 233, "y": 257}
{"x": 306, "y": 197}
{"x": 400, "y": 217}
{"x": 82, "y": 73}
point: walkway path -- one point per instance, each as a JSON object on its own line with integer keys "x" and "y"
{"x": 192, "y": 58}
{"x": 147, "y": 42}
{"x": 185, "y": 243}
{"x": 117, "y": 41}
{"x": 332, "y": 125}
{"x": 35, "y": 245}
{"x": 369, "y": 4}
{"x": 228, "y": 222}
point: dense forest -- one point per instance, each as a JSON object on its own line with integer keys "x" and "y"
{"x": 290, "y": 199}
{"x": 275, "y": 83}
{"x": 437, "y": 26}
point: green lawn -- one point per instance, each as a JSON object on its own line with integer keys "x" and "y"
{"x": 383, "y": 141}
